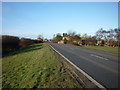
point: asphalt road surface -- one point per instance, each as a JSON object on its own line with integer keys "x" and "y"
{"x": 101, "y": 66}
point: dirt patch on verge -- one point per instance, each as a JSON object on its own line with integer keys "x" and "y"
{"x": 80, "y": 78}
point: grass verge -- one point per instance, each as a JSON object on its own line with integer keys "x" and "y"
{"x": 35, "y": 66}
{"x": 106, "y": 49}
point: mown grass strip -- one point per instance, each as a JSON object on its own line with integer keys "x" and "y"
{"x": 35, "y": 66}
{"x": 114, "y": 50}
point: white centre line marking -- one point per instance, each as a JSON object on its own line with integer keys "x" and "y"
{"x": 99, "y": 57}
{"x": 89, "y": 77}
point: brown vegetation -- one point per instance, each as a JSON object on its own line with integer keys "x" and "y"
{"x": 11, "y": 43}
{"x": 102, "y": 38}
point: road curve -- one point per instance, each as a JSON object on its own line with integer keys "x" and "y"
{"x": 101, "y": 66}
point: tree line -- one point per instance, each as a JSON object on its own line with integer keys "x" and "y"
{"x": 102, "y": 38}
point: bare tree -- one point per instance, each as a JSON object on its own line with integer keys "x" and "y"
{"x": 71, "y": 33}
{"x": 99, "y": 34}
{"x": 40, "y": 37}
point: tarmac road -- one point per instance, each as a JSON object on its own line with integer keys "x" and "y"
{"x": 101, "y": 66}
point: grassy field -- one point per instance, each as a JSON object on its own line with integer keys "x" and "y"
{"x": 106, "y": 49}
{"x": 35, "y": 66}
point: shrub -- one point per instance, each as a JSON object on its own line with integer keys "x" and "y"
{"x": 25, "y": 42}
{"x": 9, "y": 43}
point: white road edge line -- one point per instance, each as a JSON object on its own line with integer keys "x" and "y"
{"x": 99, "y": 57}
{"x": 89, "y": 77}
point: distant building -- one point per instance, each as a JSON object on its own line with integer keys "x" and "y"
{"x": 63, "y": 39}
{"x": 66, "y": 37}
{"x": 62, "y": 42}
